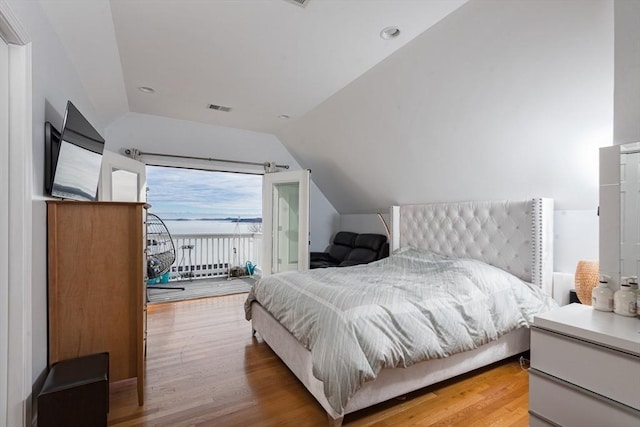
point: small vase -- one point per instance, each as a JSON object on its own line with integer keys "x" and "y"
{"x": 586, "y": 279}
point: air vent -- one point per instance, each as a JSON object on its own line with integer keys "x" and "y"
{"x": 219, "y": 108}
{"x": 301, "y": 3}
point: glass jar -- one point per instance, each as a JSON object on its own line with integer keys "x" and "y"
{"x": 625, "y": 301}
{"x": 634, "y": 288}
{"x": 602, "y": 297}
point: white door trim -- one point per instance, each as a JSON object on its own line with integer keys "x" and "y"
{"x": 11, "y": 30}
{"x": 112, "y": 161}
{"x": 302, "y": 177}
{"x": 4, "y": 227}
{"x": 15, "y": 410}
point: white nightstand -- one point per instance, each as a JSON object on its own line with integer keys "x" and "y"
{"x": 585, "y": 368}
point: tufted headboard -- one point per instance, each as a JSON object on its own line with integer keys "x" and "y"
{"x": 516, "y": 236}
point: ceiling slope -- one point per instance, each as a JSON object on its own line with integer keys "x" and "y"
{"x": 498, "y": 100}
{"x": 261, "y": 58}
{"x": 85, "y": 29}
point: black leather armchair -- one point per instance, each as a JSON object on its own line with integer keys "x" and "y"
{"x": 351, "y": 249}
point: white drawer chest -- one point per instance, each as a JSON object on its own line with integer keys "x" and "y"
{"x": 585, "y": 369}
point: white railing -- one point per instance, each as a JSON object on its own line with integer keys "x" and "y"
{"x": 211, "y": 255}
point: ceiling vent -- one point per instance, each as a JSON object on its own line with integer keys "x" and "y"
{"x": 219, "y": 108}
{"x": 301, "y": 3}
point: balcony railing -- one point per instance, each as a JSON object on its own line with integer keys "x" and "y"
{"x": 212, "y": 255}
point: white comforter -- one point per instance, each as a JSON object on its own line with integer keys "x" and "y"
{"x": 412, "y": 306}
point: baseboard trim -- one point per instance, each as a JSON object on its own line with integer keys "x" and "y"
{"x": 35, "y": 391}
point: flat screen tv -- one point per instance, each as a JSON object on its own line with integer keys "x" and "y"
{"x": 73, "y": 157}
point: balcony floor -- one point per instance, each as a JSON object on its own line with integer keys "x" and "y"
{"x": 197, "y": 288}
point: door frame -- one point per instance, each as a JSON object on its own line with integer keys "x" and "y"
{"x": 16, "y": 356}
{"x": 303, "y": 178}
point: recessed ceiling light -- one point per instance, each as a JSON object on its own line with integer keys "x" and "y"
{"x": 283, "y": 116}
{"x": 146, "y": 89}
{"x": 390, "y": 33}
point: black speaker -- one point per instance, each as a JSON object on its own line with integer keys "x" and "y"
{"x": 76, "y": 393}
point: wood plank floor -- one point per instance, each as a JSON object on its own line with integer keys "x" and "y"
{"x": 205, "y": 369}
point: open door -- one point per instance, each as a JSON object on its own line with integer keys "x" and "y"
{"x": 122, "y": 179}
{"x": 285, "y": 221}
{"x": 629, "y": 208}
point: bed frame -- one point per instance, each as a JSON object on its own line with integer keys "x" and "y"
{"x": 516, "y": 236}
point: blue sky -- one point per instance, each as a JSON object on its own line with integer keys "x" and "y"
{"x": 185, "y": 193}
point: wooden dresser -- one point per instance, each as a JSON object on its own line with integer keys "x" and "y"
{"x": 96, "y": 285}
{"x": 585, "y": 368}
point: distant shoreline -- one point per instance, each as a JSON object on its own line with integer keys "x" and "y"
{"x": 251, "y": 220}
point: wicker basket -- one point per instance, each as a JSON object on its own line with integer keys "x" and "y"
{"x": 586, "y": 279}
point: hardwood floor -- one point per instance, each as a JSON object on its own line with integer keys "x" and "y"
{"x": 205, "y": 369}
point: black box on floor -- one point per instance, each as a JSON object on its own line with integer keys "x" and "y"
{"x": 76, "y": 393}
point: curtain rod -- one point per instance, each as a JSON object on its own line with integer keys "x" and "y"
{"x": 135, "y": 153}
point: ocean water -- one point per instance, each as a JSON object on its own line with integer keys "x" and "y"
{"x": 208, "y": 227}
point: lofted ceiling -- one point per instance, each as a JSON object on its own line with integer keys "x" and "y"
{"x": 261, "y": 58}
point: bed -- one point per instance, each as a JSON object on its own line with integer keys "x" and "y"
{"x": 477, "y": 242}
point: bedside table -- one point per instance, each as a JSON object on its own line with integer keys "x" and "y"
{"x": 585, "y": 368}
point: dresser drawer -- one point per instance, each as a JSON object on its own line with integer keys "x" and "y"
{"x": 564, "y": 404}
{"x": 605, "y": 371}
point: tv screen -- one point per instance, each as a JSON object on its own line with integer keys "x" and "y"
{"x": 74, "y": 157}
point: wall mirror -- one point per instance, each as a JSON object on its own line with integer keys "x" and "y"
{"x": 629, "y": 210}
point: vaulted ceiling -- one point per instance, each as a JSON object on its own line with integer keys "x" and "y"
{"x": 448, "y": 110}
{"x": 261, "y": 58}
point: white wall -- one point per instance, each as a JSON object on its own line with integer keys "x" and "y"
{"x": 365, "y": 223}
{"x": 575, "y": 238}
{"x": 324, "y": 220}
{"x": 54, "y": 82}
{"x": 171, "y": 136}
{"x": 499, "y": 100}
{"x": 627, "y": 70}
